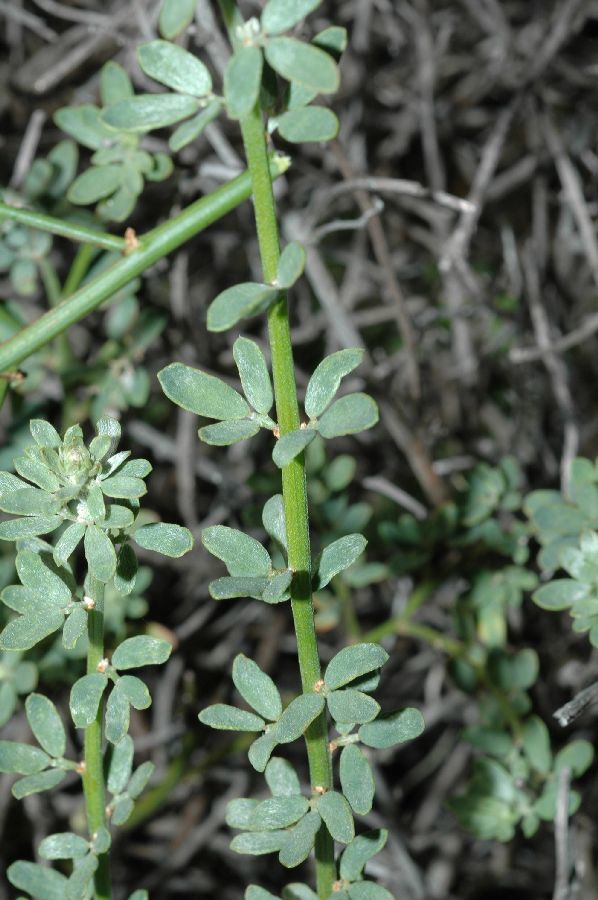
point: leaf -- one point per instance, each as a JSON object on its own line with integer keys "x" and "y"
{"x": 290, "y": 265}
{"x": 232, "y": 588}
{"x": 140, "y": 778}
{"x": 359, "y": 852}
{"x": 222, "y": 434}
{"x": 310, "y": 124}
{"x": 121, "y": 810}
{"x": 256, "y": 688}
{"x": 68, "y": 542}
{"x": 64, "y": 845}
{"x": 326, "y": 379}
{"x": 117, "y": 715}
{"x": 291, "y": 444}
{"x": 559, "y": 594}
{"x": 37, "y": 472}
{"x": 282, "y": 15}
{"x": 396, "y": 728}
{"x": 239, "y": 812}
{"x": 300, "y": 840}
{"x": 142, "y": 650}
{"x": 115, "y": 84}
{"x": 175, "y": 15}
{"x": 230, "y": 718}
{"x": 298, "y": 716}
{"x": 336, "y": 557}
{"x": 576, "y": 756}
{"x": 357, "y": 780}
{"x": 352, "y": 662}
{"x": 349, "y": 415}
{"x": 35, "y": 784}
{"x": 121, "y": 765}
{"x": 337, "y": 816}
{"x": 86, "y": 694}
{"x": 147, "y": 111}
{"x": 333, "y": 39}
{"x": 44, "y": 434}
{"x": 352, "y": 706}
{"x": 74, "y": 627}
{"x": 297, "y": 891}
{"x": 536, "y": 745}
{"x": 303, "y": 63}
{"x": 281, "y": 778}
{"x": 27, "y": 631}
{"x": 125, "y": 487}
{"x": 254, "y": 375}
{"x": 81, "y": 878}
{"x": 260, "y": 751}
{"x": 273, "y": 520}
{"x": 22, "y": 758}
{"x": 37, "y": 575}
{"x": 369, "y": 890}
{"x": 191, "y": 129}
{"x": 99, "y": 553}
{"x": 127, "y": 568}
{"x": 242, "y": 80}
{"x": 96, "y": 183}
{"x": 257, "y": 843}
{"x": 241, "y": 554}
{"x": 278, "y": 812}
{"x": 239, "y": 302}
{"x": 175, "y": 68}
{"x": 165, "y": 538}
{"x": 253, "y": 892}
{"x": 84, "y": 124}
{"x": 135, "y": 691}
{"x": 39, "y": 881}
{"x": 276, "y": 590}
{"x": 29, "y": 501}
{"x": 46, "y": 724}
{"x": 201, "y": 393}
{"x": 16, "y": 529}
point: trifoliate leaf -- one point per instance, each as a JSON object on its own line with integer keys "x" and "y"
{"x": 175, "y": 68}
{"x": 201, "y": 393}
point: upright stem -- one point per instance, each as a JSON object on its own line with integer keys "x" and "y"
{"x": 94, "y": 788}
{"x": 294, "y": 488}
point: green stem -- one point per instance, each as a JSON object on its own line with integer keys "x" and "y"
{"x": 78, "y": 270}
{"x": 294, "y": 488}
{"x": 94, "y": 788}
{"x": 153, "y": 246}
{"x": 43, "y": 222}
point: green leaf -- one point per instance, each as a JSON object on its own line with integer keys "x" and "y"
{"x": 336, "y": 557}
{"x": 337, "y": 816}
{"x": 260, "y": 751}
{"x": 576, "y": 756}
{"x": 273, "y": 520}
{"x": 175, "y": 15}
{"x": 147, "y": 111}
{"x": 121, "y": 810}
{"x": 29, "y": 501}
{"x": 96, "y": 183}
{"x": 326, "y": 379}
{"x": 369, "y": 890}
{"x": 125, "y": 487}
{"x": 282, "y": 15}
{"x": 37, "y": 472}
{"x": 278, "y": 812}
{"x": 256, "y": 688}
{"x": 303, "y": 63}
{"x": 297, "y": 891}
{"x": 241, "y": 554}
{"x": 242, "y": 80}
{"x": 239, "y": 302}
{"x": 191, "y": 129}
{"x": 140, "y": 778}
{"x": 46, "y": 724}
{"x": 39, "y": 881}
{"x": 17, "y": 529}
{"x": 300, "y": 840}
{"x": 22, "y": 758}
{"x": 254, "y": 375}
{"x": 175, "y": 68}
{"x": 359, "y": 852}
{"x": 135, "y": 691}
{"x": 349, "y": 415}
{"x": 536, "y": 745}
{"x": 86, "y": 694}
{"x": 357, "y": 780}
{"x": 44, "y": 434}
{"x": 333, "y": 39}
{"x": 281, "y": 778}
{"x": 121, "y": 765}
{"x": 127, "y": 567}
{"x": 310, "y": 124}
{"x": 290, "y": 265}
{"x": 99, "y": 553}
{"x": 257, "y": 843}
{"x": 84, "y": 124}
{"x": 559, "y": 594}
{"x": 253, "y": 892}
{"x": 222, "y": 434}
{"x": 39, "y": 577}
{"x": 117, "y": 715}
{"x": 230, "y": 718}
{"x": 35, "y": 784}
{"x": 142, "y": 650}
{"x": 352, "y": 706}
{"x": 68, "y": 542}
{"x": 81, "y": 878}
{"x": 276, "y": 590}
{"x": 298, "y": 716}
{"x": 396, "y": 728}
{"x": 166, "y": 538}
{"x": 291, "y": 444}
{"x": 232, "y": 588}
{"x": 27, "y": 631}
{"x": 64, "y": 845}
{"x": 352, "y": 662}
{"x": 115, "y": 85}
{"x": 239, "y": 812}
{"x": 201, "y": 394}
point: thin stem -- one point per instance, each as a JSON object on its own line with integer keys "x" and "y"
{"x": 153, "y": 246}
{"x": 78, "y": 270}
{"x": 294, "y": 488}
{"x": 94, "y": 787}
{"x": 43, "y": 222}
